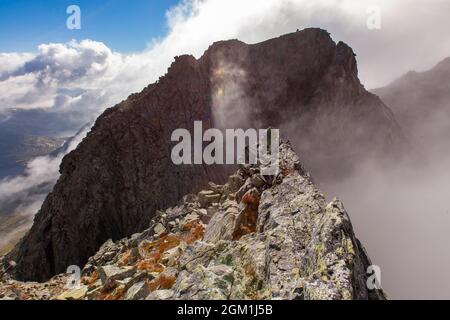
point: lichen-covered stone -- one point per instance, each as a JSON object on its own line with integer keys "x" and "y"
{"x": 138, "y": 291}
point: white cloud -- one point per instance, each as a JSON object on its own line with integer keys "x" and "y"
{"x": 58, "y": 74}
{"x": 414, "y": 33}
{"x": 67, "y": 76}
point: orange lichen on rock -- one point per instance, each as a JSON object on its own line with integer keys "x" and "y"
{"x": 161, "y": 245}
{"x": 150, "y": 260}
{"x": 192, "y": 231}
{"x": 150, "y": 266}
{"x": 251, "y": 200}
{"x": 89, "y": 281}
{"x": 288, "y": 171}
{"x": 110, "y": 291}
{"x": 248, "y": 218}
{"x": 153, "y": 251}
{"x": 250, "y": 270}
{"x": 117, "y": 294}
{"x": 162, "y": 282}
{"x": 124, "y": 259}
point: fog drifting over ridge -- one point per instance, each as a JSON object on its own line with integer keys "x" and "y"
{"x": 399, "y": 214}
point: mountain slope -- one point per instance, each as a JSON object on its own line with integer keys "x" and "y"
{"x": 255, "y": 237}
{"x": 113, "y": 183}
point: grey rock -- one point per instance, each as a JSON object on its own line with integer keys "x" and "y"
{"x": 112, "y": 273}
{"x": 159, "y": 229}
{"x": 243, "y": 190}
{"x": 221, "y": 227}
{"x": 138, "y": 291}
{"x": 257, "y": 181}
{"x": 235, "y": 182}
{"x": 74, "y": 294}
{"x": 207, "y": 198}
{"x": 160, "y": 295}
{"x": 217, "y": 189}
{"x": 303, "y": 248}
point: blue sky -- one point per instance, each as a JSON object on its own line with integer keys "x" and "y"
{"x": 123, "y": 25}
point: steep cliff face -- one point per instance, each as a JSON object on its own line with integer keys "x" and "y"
{"x": 113, "y": 183}
{"x": 255, "y": 237}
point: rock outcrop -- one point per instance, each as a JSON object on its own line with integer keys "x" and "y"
{"x": 259, "y": 237}
{"x": 112, "y": 185}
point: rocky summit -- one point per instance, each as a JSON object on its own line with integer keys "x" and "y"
{"x": 254, "y": 237}
{"x": 121, "y": 174}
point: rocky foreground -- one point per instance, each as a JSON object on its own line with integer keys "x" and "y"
{"x": 256, "y": 237}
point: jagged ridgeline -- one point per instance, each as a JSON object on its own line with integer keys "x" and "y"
{"x": 255, "y": 237}
{"x": 113, "y": 184}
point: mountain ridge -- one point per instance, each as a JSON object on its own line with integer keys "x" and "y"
{"x": 255, "y": 237}
{"x": 121, "y": 173}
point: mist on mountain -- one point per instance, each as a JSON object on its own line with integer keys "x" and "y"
{"x": 400, "y": 209}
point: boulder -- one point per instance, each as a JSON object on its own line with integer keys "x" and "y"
{"x": 74, "y": 294}
{"x": 207, "y": 198}
{"x": 112, "y": 273}
{"x": 159, "y": 229}
{"x": 138, "y": 291}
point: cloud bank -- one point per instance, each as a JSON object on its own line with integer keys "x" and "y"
{"x": 22, "y": 196}
{"x": 39, "y": 171}
{"x": 82, "y": 78}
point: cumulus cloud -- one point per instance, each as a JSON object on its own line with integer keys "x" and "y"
{"x": 406, "y": 41}
{"x": 62, "y": 77}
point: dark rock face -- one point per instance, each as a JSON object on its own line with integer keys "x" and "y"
{"x": 113, "y": 183}
{"x": 306, "y": 85}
